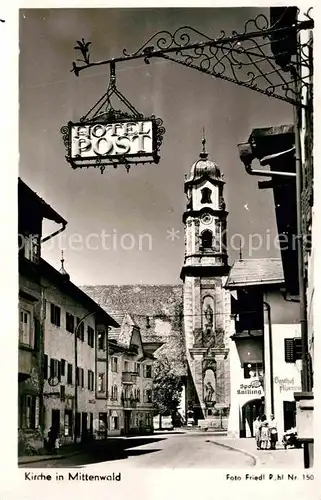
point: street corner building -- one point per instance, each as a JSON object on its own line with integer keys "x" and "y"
{"x": 266, "y": 349}
{"x": 58, "y": 329}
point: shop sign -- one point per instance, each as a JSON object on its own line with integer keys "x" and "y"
{"x": 287, "y": 384}
{"x": 253, "y": 387}
{"x": 101, "y": 143}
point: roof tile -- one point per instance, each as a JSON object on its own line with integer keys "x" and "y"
{"x": 250, "y": 272}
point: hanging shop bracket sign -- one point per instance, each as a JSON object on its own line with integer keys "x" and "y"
{"x": 105, "y": 136}
{"x": 112, "y": 143}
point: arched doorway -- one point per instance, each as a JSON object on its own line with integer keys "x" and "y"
{"x": 250, "y": 411}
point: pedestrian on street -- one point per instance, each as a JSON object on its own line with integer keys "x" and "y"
{"x": 256, "y": 431}
{"x": 265, "y": 433}
{"x": 52, "y": 440}
{"x": 273, "y": 432}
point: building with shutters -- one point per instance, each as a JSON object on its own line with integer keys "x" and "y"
{"x": 157, "y": 311}
{"x": 288, "y": 151}
{"x": 74, "y": 329}
{"x": 124, "y": 400}
{"x": 278, "y": 148}
{"x": 265, "y": 349}
{"x": 32, "y": 210}
{"x": 58, "y": 329}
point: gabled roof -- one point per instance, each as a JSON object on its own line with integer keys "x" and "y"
{"x": 69, "y": 288}
{"x": 26, "y": 197}
{"x": 123, "y": 335}
{"x": 254, "y": 272}
{"x": 126, "y": 331}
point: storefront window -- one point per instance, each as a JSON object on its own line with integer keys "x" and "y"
{"x": 102, "y": 423}
{"x": 68, "y": 423}
{"x": 115, "y": 423}
{"x": 253, "y": 370}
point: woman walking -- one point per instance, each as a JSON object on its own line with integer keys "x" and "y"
{"x": 265, "y": 433}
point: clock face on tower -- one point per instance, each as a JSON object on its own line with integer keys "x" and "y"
{"x": 206, "y": 219}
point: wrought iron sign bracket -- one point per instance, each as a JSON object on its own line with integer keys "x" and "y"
{"x": 243, "y": 58}
{"x": 106, "y": 136}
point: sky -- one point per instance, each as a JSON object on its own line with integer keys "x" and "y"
{"x": 136, "y": 209}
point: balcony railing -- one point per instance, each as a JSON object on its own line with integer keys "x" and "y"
{"x": 129, "y": 377}
{"x": 129, "y": 402}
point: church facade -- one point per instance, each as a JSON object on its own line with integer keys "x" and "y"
{"x": 206, "y": 303}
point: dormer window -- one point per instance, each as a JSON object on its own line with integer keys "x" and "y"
{"x": 207, "y": 239}
{"x": 206, "y": 195}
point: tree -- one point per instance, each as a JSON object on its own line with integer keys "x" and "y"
{"x": 167, "y": 386}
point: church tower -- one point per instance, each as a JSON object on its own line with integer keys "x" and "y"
{"x": 206, "y": 302}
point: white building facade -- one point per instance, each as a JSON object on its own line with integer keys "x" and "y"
{"x": 265, "y": 347}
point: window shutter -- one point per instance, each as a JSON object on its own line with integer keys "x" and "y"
{"x": 58, "y": 370}
{"x": 310, "y": 371}
{"x": 58, "y": 316}
{"x": 52, "y": 367}
{"x": 32, "y": 412}
{"x": 62, "y": 367}
{"x": 289, "y": 350}
{"x": 45, "y": 367}
{"x": 52, "y": 313}
{"x": 69, "y": 374}
{"x": 36, "y": 413}
{"x": 298, "y": 348}
{"x": 34, "y": 338}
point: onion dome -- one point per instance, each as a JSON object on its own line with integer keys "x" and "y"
{"x": 62, "y": 269}
{"x": 204, "y": 167}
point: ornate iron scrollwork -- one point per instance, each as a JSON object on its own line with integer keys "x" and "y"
{"x": 244, "y": 58}
{"x": 103, "y": 116}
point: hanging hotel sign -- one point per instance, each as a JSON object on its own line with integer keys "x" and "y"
{"x": 108, "y": 136}
{"x": 99, "y": 143}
